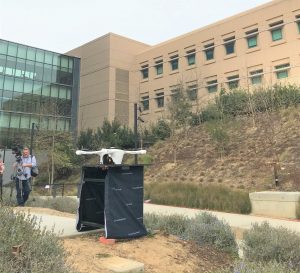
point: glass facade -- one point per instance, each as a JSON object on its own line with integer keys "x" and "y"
{"x": 36, "y": 86}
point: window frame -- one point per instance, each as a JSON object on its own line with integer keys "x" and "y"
{"x": 145, "y": 72}
{"x": 174, "y": 59}
{"x": 191, "y": 57}
{"x": 159, "y": 67}
{"x": 229, "y": 43}
{"x": 276, "y": 26}
{"x": 209, "y": 48}
{"x": 282, "y": 68}
{"x": 250, "y": 35}
{"x": 256, "y": 74}
{"x": 235, "y": 79}
{"x": 192, "y": 92}
{"x": 145, "y": 102}
{"x": 212, "y": 86}
{"x": 160, "y": 99}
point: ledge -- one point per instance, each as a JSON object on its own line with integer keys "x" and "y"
{"x": 275, "y": 204}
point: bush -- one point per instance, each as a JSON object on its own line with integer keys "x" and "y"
{"x": 271, "y": 267}
{"x": 266, "y": 244}
{"x": 298, "y": 210}
{"x": 208, "y": 229}
{"x": 171, "y": 224}
{"x": 40, "y": 251}
{"x": 204, "y": 229}
{"x": 213, "y": 197}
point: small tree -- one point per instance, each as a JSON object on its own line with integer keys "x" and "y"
{"x": 179, "y": 115}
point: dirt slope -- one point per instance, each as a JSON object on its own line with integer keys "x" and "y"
{"x": 238, "y": 153}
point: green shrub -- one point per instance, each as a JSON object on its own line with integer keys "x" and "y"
{"x": 213, "y": 197}
{"x": 171, "y": 224}
{"x": 203, "y": 229}
{"x": 264, "y": 243}
{"x": 271, "y": 267}
{"x": 208, "y": 229}
{"x": 40, "y": 252}
{"x": 298, "y": 210}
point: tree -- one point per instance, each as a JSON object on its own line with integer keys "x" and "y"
{"x": 179, "y": 116}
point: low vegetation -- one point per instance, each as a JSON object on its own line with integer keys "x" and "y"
{"x": 26, "y": 247}
{"x": 212, "y": 197}
{"x": 204, "y": 229}
{"x": 264, "y": 243}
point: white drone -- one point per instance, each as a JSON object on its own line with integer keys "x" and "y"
{"x": 115, "y": 154}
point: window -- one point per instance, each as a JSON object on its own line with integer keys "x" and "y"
{"x": 193, "y": 92}
{"x": 145, "y": 103}
{"x": 209, "y": 51}
{"x": 160, "y": 99}
{"x": 145, "y": 72}
{"x": 229, "y": 45}
{"x": 174, "y": 62}
{"x": 282, "y": 71}
{"x": 256, "y": 76}
{"x": 233, "y": 81}
{"x": 159, "y": 67}
{"x": 276, "y": 30}
{"x": 212, "y": 86}
{"x": 251, "y": 37}
{"x": 191, "y": 57}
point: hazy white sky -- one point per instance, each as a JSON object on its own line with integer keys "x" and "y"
{"x": 61, "y": 25}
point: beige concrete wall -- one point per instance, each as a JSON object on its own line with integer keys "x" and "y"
{"x": 275, "y": 204}
{"x": 104, "y": 79}
{"x": 265, "y": 56}
{"x": 111, "y": 79}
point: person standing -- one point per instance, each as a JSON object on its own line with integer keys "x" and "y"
{"x": 23, "y": 176}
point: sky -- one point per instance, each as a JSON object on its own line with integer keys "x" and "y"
{"x": 61, "y": 25}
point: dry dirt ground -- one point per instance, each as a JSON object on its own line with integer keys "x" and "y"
{"x": 158, "y": 252}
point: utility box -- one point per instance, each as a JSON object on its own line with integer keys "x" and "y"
{"x": 112, "y": 197}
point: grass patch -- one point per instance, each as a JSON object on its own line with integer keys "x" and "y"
{"x": 212, "y": 197}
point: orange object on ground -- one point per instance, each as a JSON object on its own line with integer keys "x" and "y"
{"x": 105, "y": 241}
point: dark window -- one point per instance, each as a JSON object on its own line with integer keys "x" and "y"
{"x": 229, "y": 44}
{"x": 145, "y": 103}
{"x": 209, "y": 51}
{"x": 174, "y": 62}
{"x": 160, "y": 99}
{"x": 191, "y": 57}
{"x": 193, "y": 92}
{"x": 276, "y": 30}
{"x": 145, "y": 72}
{"x": 233, "y": 81}
{"x": 159, "y": 67}
{"x": 212, "y": 86}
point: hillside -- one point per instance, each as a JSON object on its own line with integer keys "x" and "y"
{"x": 238, "y": 153}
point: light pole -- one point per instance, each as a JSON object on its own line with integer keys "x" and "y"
{"x": 31, "y": 135}
{"x": 135, "y": 132}
{"x": 136, "y": 118}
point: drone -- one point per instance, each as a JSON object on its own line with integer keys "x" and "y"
{"x": 116, "y": 155}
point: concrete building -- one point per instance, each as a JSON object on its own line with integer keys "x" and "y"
{"x": 259, "y": 47}
{"x": 36, "y": 86}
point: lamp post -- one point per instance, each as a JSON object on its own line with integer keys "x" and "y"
{"x": 135, "y": 132}
{"x": 31, "y": 135}
{"x": 136, "y": 118}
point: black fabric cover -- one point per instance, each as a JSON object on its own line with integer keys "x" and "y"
{"x": 112, "y": 197}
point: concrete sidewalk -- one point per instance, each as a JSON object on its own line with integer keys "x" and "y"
{"x": 234, "y": 220}
{"x": 66, "y": 226}
{"x": 62, "y": 226}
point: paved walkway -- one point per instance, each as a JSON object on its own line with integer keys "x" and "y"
{"x": 66, "y": 226}
{"x": 234, "y": 220}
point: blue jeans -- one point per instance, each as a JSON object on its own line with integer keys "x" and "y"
{"x": 23, "y": 188}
